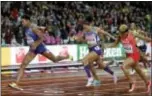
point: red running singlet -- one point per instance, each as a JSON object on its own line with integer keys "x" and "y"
{"x": 129, "y": 45}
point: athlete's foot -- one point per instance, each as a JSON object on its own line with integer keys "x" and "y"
{"x": 148, "y": 86}
{"x": 15, "y": 86}
{"x": 132, "y": 87}
{"x": 96, "y": 83}
{"x": 90, "y": 82}
{"x": 115, "y": 79}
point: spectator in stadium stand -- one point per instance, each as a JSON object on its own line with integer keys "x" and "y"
{"x": 8, "y": 36}
{"x": 3, "y": 40}
{"x": 58, "y": 40}
{"x": 47, "y": 39}
{"x": 52, "y": 38}
{"x": 14, "y": 14}
{"x": 151, "y": 27}
{"x": 58, "y": 14}
{"x": 14, "y": 42}
{"x": 64, "y": 34}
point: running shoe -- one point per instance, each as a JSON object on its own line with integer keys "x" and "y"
{"x": 90, "y": 82}
{"x": 96, "y": 83}
{"x": 15, "y": 86}
{"x": 133, "y": 72}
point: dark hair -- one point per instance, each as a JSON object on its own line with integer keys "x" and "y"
{"x": 127, "y": 30}
{"x": 27, "y": 17}
{"x": 88, "y": 19}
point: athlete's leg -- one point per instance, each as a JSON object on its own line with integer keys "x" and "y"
{"x": 27, "y": 59}
{"x": 88, "y": 60}
{"x": 89, "y": 75}
{"x": 126, "y": 65}
{"x": 143, "y": 76}
{"x": 93, "y": 71}
{"x": 107, "y": 69}
{"x": 143, "y": 58}
{"x": 87, "y": 70}
{"x": 53, "y": 58}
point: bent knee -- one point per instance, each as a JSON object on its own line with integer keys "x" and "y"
{"x": 125, "y": 66}
{"x": 85, "y": 62}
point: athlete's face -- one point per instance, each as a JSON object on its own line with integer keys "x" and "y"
{"x": 124, "y": 35}
{"x": 25, "y": 22}
{"x": 86, "y": 28}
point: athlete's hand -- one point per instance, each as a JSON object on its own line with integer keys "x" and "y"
{"x": 79, "y": 38}
{"x": 76, "y": 38}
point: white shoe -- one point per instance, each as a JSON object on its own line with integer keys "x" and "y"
{"x": 15, "y": 86}
{"x": 132, "y": 72}
{"x": 90, "y": 82}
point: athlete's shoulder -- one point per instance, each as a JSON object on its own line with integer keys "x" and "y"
{"x": 98, "y": 28}
{"x": 34, "y": 26}
{"x": 130, "y": 34}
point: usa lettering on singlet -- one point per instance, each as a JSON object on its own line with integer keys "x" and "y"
{"x": 128, "y": 48}
{"x": 92, "y": 38}
{"x": 30, "y": 36}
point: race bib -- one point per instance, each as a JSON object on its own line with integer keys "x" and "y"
{"x": 91, "y": 39}
{"x": 97, "y": 48}
{"x": 128, "y": 48}
{"x": 29, "y": 41}
{"x": 91, "y": 42}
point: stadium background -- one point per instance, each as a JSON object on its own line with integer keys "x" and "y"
{"x": 61, "y": 19}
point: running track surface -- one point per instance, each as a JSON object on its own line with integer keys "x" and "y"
{"x": 73, "y": 85}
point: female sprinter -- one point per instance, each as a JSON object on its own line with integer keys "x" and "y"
{"x": 91, "y": 37}
{"x": 133, "y": 56}
{"x": 141, "y": 45}
{"x": 34, "y": 36}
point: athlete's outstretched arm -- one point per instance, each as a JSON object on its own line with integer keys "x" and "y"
{"x": 143, "y": 37}
{"x": 79, "y": 39}
{"x": 100, "y": 31}
{"x": 115, "y": 43}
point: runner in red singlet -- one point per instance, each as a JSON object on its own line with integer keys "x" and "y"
{"x": 133, "y": 56}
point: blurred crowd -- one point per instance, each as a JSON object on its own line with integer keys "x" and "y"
{"x": 62, "y": 18}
